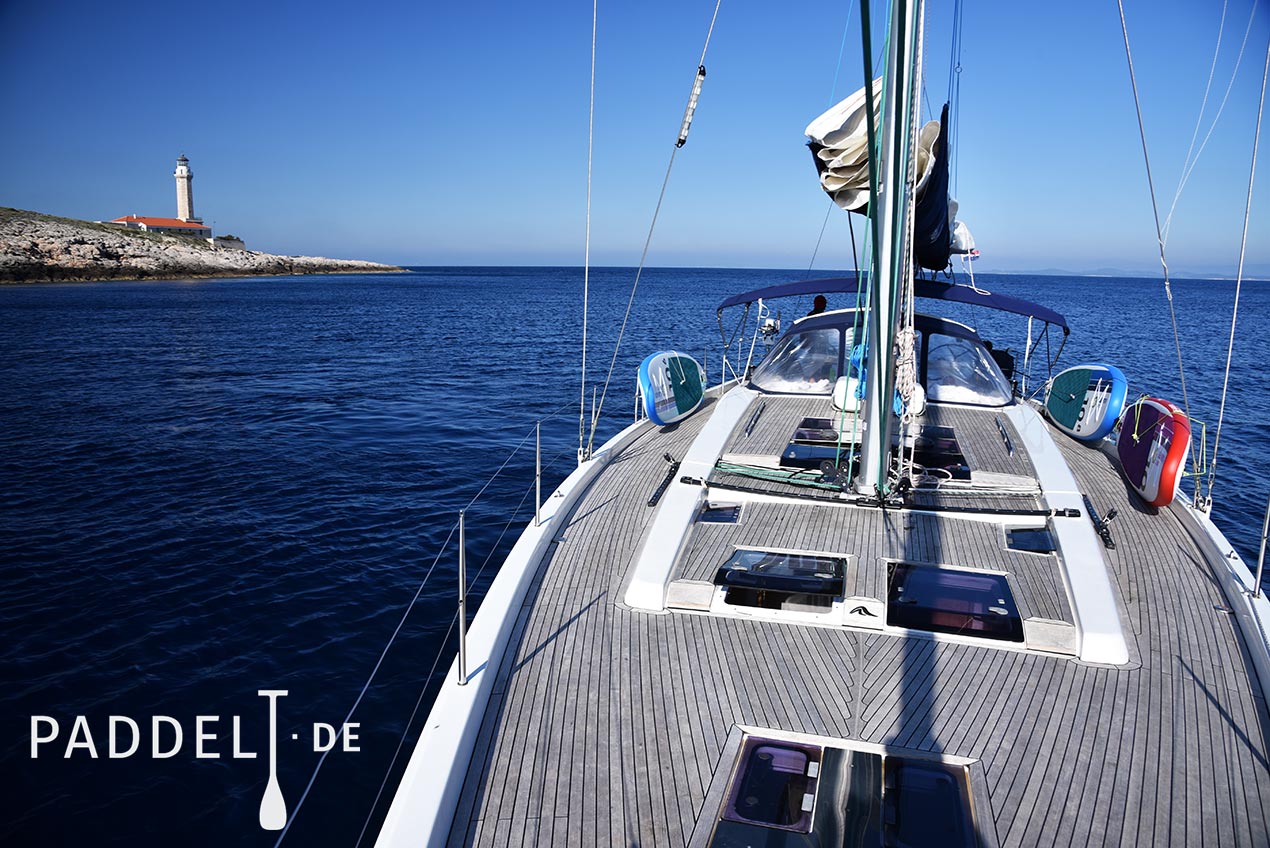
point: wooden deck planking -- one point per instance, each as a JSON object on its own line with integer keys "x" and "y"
{"x": 1130, "y": 749}
{"x": 980, "y": 440}
{"x": 776, "y": 423}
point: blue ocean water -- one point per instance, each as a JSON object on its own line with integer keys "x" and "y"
{"x": 221, "y": 486}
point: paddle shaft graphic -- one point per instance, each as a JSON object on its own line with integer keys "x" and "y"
{"x": 273, "y": 807}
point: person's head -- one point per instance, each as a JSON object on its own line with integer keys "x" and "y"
{"x": 820, "y": 303}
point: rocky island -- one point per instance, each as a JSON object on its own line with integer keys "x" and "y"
{"x": 44, "y": 248}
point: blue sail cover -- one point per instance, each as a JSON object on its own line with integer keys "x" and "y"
{"x": 930, "y": 289}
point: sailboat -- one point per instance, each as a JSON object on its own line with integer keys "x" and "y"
{"x": 868, "y": 590}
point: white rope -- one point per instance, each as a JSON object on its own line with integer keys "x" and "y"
{"x": 586, "y": 259}
{"x": 1190, "y": 163}
{"x": 643, "y": 257}
{"x": 1239, "y": 276}
{"x": 1155, "y": 210}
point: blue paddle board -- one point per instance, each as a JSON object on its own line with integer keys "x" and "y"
{"x": 1085, "y": 401}
{"x": 671, "y": 387}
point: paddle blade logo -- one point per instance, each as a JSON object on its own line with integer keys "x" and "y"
{"x": 123, "y": 737}
{"x": 273, "y": 807}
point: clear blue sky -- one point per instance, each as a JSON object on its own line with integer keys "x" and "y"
{"x": 447, "y": 133}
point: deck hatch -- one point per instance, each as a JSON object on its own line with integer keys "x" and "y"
{"x": 925, "y": 803}
{"x": 783, "y": 572}
{"x": 775, "y": 785}
{"x": 782, "y": 581}
{"x": 815, "y": 440}
{"x": 1034, "y": 540}
{"x": 945, "y": 600}
{"x": 719, "y": 513}
{"x": 787, "y": 793}
{"x": 936, "y": 448}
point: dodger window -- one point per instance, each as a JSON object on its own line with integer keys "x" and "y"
{"x": 959, "y": 370}
{"x": 802, "y": 363}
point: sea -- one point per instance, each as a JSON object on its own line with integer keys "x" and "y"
{"x": 217, "y": 487}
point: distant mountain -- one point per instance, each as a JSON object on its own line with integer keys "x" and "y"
{"x": 1256, "y": 273}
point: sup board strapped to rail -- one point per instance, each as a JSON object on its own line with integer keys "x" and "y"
{"x": 671, "y": 386}
{"x": 1155, "y": 438}
{"x": 1085, "y": 401}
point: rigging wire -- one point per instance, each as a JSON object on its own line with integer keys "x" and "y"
{"x": 842, "y": 47}
{"x": 643, "y": 257}
{"x": 1190, "y": 163}
{"x": 1203, "y": 106}
{"x": 1239, "y": 276}
{"x": 833, "y": 91}
{"x": 823, "y": 224}
{"x": 1155, "y": 210}
{"x": 586, "y": 260}
{"x": 954, "y": 89}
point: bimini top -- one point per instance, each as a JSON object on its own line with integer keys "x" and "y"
{"x": 925, "y": 288}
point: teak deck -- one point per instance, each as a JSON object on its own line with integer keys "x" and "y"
{"x": 608, "y": 726}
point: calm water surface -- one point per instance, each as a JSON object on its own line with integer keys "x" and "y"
{"x": 216, "y": 487}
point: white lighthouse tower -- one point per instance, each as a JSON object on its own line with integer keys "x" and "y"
{"x": 185, "y": 191}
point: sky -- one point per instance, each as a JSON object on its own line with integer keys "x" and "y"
{"x": 440, "y": 133}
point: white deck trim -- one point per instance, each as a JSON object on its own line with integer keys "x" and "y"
{"x": 423, "y": 807}
{"x": 651, "y": 575}
{"x": 1237, "y": 582}
{"x": 1100, "y": 633}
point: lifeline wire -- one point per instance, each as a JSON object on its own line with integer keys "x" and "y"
{"x": 643, "y": 257}
{"x": 1239, "y": 276}
{"x": 586, "y": 259}
{"x": 296, "y": 811}
{"x": 1155, "y": 210}
{"x": 436, "y": 662}
{"x": 405, "y": 614}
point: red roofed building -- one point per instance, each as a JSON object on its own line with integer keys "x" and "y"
{"x": 173, "y": 226}
{"x": 184, "y": 224}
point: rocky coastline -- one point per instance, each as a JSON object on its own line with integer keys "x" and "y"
{"x": 37, "y": 248}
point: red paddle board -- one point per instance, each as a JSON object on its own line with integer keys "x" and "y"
{"x": 1155, "y": 437}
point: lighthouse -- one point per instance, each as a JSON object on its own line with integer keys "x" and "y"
{"x": 185, "y": 191}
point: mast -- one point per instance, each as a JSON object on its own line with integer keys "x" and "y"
{"x": 891, "y": 204}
